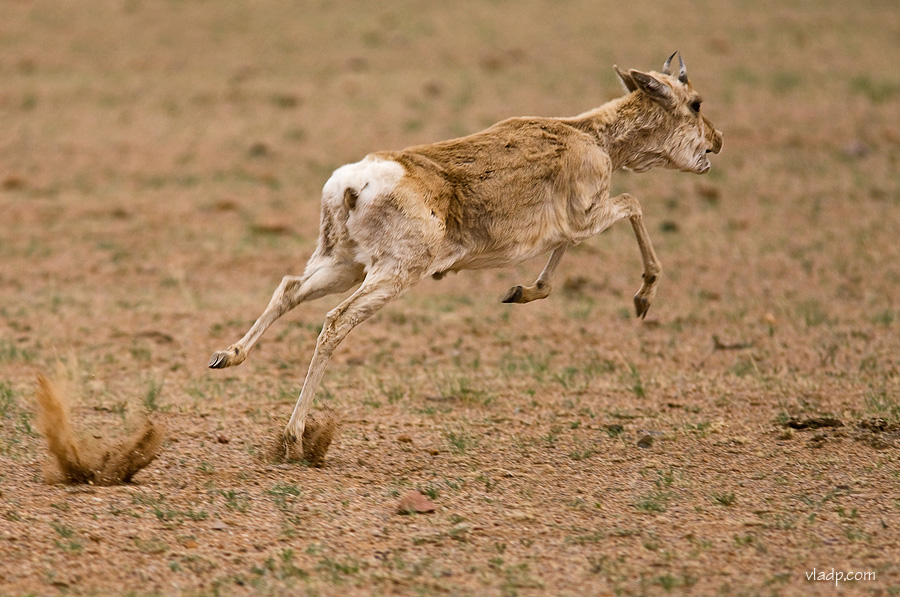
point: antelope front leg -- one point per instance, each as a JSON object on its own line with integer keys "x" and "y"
{"x": 541, "y": 288}
{"x": 652, "y": 267}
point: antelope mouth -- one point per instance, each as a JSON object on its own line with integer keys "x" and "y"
{"x": 703, "y": 163}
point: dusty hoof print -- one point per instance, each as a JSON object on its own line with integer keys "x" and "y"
{"x": 875, "y": 432}
{"x": 813, "y": 423}
{"x": 878, "y": 433}
{"x": 78, "y": 460}
{"x": 320, "y": 430}
{"x": 878, "y": 425}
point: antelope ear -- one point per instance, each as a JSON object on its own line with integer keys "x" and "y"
{"x": 627, "y": 81}
{"x": 653, "y": 87}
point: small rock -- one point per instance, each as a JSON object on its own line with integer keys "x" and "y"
{"x": 218, "y": 525}
{"x": 645, "y": 441}
{"x": 415, "y": 502}
{"x": 222, "y": 439}
{"x": 404, "y": 439}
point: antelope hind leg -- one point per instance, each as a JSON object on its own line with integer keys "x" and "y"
{"x": 323, "y": 277}
{"x": 541, "y": 288}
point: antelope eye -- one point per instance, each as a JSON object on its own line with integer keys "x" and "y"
{"x": 695, "y": 106}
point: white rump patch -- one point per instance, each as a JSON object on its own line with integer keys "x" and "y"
{"x": 369, "y": 178}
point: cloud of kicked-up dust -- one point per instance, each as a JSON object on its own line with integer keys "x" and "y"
{"x": 318, "y": 434}
{"x": 87, "y": 459}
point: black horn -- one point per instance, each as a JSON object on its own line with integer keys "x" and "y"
{"x": 668, "y": 64}
{"x": 682, "y": 71}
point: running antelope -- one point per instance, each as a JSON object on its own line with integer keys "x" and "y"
{"x": 521, "y": 188}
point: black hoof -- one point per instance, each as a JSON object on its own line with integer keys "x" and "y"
{"x": 641, "y": 306}
{"x": 514, "y": 295}
{"x": 218, "y": 360}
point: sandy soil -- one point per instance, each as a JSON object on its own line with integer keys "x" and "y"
{"x": 161, "y": 167}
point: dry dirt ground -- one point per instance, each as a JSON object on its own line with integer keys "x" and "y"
{"x": 160, "y": 168}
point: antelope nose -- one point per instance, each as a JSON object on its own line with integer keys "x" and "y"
{"x": 717, "y": 143}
